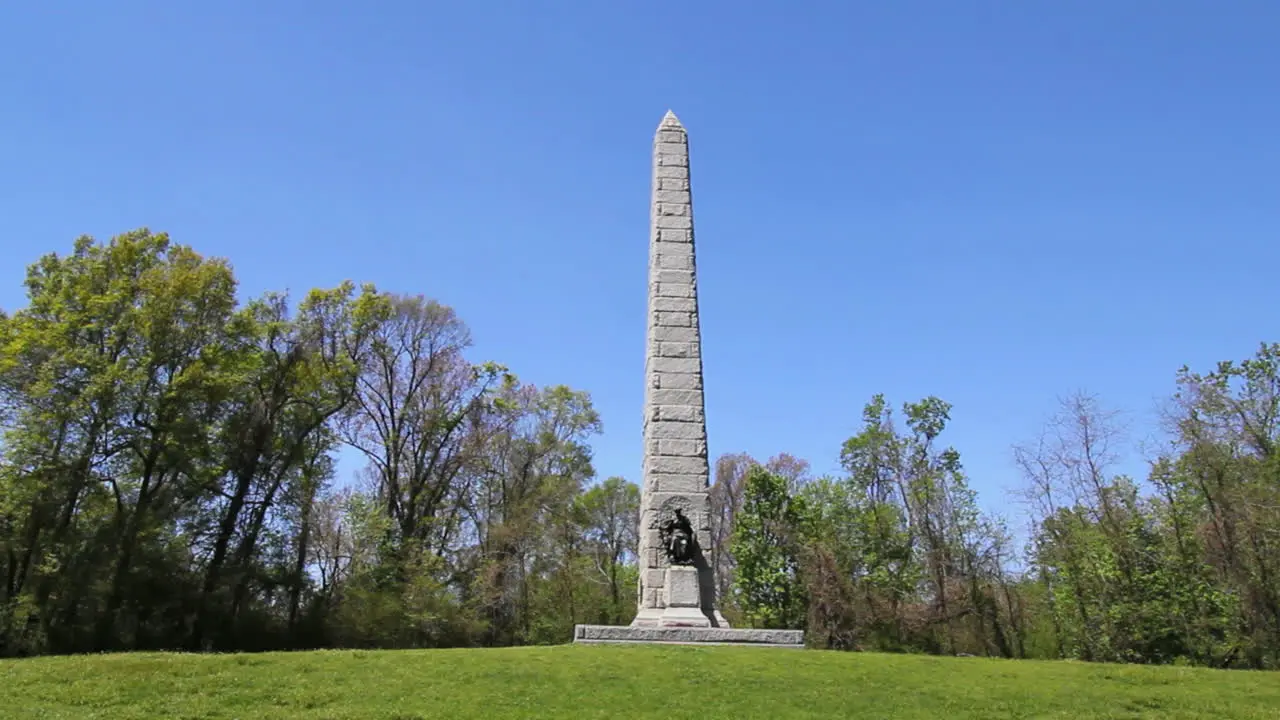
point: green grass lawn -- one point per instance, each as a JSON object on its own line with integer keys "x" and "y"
{"x": 617, "y": 682}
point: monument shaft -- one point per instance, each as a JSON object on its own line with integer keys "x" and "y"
{"x": 677, "y": 602}
{"x": 675, "y": 471}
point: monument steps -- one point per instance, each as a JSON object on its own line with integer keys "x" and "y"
{"x": 634, "y": 635}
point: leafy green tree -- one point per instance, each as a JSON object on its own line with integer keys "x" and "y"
{"x": 726, "y": 501}
{"x": 768, "y": 532}
{"x": 610, "y": 520}
{"x": 538, "y": 462}
{"x": 418, "y": 414}
{"x": 927, "y": 566}
{"x": 1127, "y": 578}
{"x": 117, "y": 366}
{"x": 1227, "y": 425}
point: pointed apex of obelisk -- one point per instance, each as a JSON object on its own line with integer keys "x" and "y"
{"x": 670, "y": 122}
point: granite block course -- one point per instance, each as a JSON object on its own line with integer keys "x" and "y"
{"x": 793, "y": 639}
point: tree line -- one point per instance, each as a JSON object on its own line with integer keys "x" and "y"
{"x": 167, "y": 481}
{"x": 894, "y": 554}
{"x": 168, "y": 470}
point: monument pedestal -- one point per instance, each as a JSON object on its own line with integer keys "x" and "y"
{"x": 683, "y": 599}
{"x": 681, "y": 602}
{"x": 683, "y": 621}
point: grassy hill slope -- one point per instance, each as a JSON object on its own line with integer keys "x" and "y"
{"x": 617, "y": 682}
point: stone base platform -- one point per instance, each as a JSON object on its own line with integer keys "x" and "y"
{"x": 793, "y": 639}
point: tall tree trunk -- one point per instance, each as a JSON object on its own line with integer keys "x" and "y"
{"x": 108, "y": 621}
{"x": 226, "y": 529}
{"x": 300, "y": 564}
{"x": 248, "y": 545}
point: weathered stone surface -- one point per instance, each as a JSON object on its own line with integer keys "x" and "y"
{"x": 670, "y": 154}
{"x": 674, "y": 334}
{"x": 793, "y": 639}
{"x": 681, "y": 305}
{"x": 674, "y": 319}
{"x": 671, "y": 250}
{"x": 678, "y": 381}
{"x": 678, "y": 349}
{"x": 681, "y": 587}
{"x": 673, "y": 430}
{"x": 671, "y": 172}
{"x": 675, "y": 262}
{"x": 675, "y": 397}
{"x": 675, "y": 365}
{"x": 687, "y": 448}
{"x": 677, "y": 413}
{"x": 669, "y": 289}
{"x": 668, "y": 464}
{"x": 695, "y": 505}
{"x": 680, "y": 483}
{"x": 675, "y": 276}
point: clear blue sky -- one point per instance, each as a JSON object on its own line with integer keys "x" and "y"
{"x": 993, "y": 202}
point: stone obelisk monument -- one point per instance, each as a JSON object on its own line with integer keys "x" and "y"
{"x": 674, "y": 591}
{"x": 677, "y": 602}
